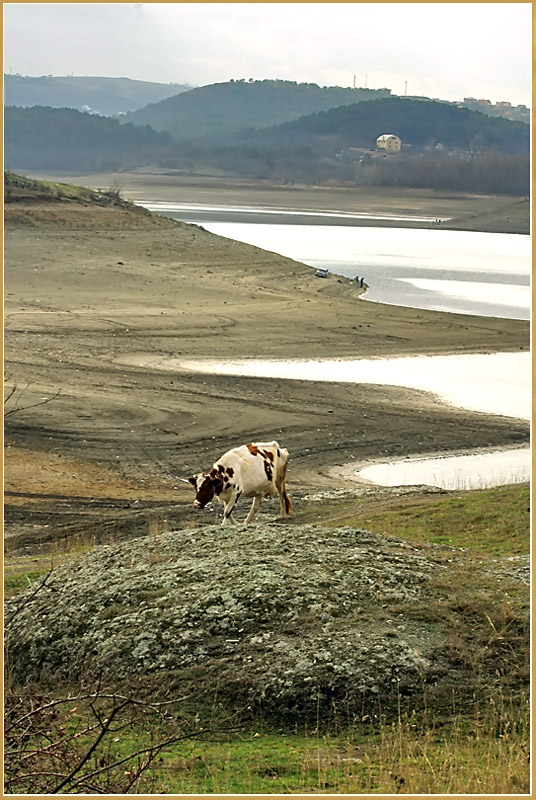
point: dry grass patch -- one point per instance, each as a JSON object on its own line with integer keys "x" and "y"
{"x": 494, "y": 522}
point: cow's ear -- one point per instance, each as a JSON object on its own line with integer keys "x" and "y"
{"x": 193, "y": 480}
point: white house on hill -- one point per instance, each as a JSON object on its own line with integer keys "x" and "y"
{"x": 389, "y": 142}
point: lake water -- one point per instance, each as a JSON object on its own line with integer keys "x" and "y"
{"x": 473, "y": 471}
{"x": 200, "y": 212}
{"x": 458, "y": 271}
{"x": 485, "y": 274}
{"x": 495, "y": 383}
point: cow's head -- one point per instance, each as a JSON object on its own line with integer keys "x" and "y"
{"x": 206, "y": 485}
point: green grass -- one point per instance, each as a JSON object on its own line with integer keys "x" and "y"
{"x": 482, "y": 749}
{"x": 15, "y": 583}
{"x": 19, "y": 185}
{"x": 400, "y": 757}
{"x": 21, "y": 571}
{"x": 474, "y": 746}
{"x": 68, "y": 190}
{"x": 493, "y": 522}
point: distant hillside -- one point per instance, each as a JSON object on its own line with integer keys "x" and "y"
{"x": 444, "y": 147}
{"x": 418, "y": 123}
{"x": 478, "y": 153}
{"x": 108, "y": 96}
{"x": 221, "y": 109}
{"x": 65, "y": 139}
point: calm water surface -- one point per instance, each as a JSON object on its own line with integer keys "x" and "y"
{"x": 201, "y": 212}
{"x": 496, "y": 383}
{"x": 487, "y": 274}
{"x": 474, "y": 471}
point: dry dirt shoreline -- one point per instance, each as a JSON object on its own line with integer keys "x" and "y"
{"x": 89, "y": 286}
{"x": 492, "y": 213}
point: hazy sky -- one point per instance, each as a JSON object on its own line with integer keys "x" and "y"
{"x": 445, "y": 50}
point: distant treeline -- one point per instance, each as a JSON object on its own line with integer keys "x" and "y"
{"x": 65, "y": 139}
{"x": 444, "y": 147}
{"x": 488, "y": 171}
{"x": 418, "y": 123}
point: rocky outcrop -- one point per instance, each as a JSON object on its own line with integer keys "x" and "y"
{"x": 284, "y": 618}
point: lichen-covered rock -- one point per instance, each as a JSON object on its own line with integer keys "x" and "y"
{"x": 281, "y": 617}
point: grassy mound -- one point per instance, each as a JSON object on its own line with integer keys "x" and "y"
{"x": 32, "y": 202}
{"x": 289, "y": 621}
{"x": 18, "y": 188}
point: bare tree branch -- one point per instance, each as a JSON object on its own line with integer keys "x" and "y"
{"x": 10, "y": 393}
{"x": 154, "y": 750}
{"x": 17, "y": 407}
{"x": 67, "y": 744}
{"x": 105, "y": 726}
{"x": 27, "y": 599}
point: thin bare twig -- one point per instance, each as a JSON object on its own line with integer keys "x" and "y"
{"x": 18, "y": 408}
{"x": 105, "y": 727}
{"x": 27, "y": 599}
{"x": 156, "y": 749}
{"x": 45, "y": 754}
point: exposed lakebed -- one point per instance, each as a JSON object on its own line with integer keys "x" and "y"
{"x": 496, "y": 383}
{"x": 484, "y": 274}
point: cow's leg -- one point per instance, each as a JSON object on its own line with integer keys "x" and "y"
{"x": 256, "y": 504}
{"x": 286, "y": 505}
{"x": 280, "y": 477}
{"x": 228, "y": 515}
{"x": 229, "y": 508}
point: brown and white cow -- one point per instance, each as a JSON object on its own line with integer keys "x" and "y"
{"x": 251, "y": 470}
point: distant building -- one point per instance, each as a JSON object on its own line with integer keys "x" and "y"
{"x": 389, "y": 142}
{"x": 355, "y": 154}
{"x": 503, "y": 108}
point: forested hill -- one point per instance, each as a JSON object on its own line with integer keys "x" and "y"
{"x": 108, "y": 96}
{"x": 224, "y": 108}
{"x": 418, "y": 124}
{"x": 65, "y": 139}
{"x": 478, "y": 153}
